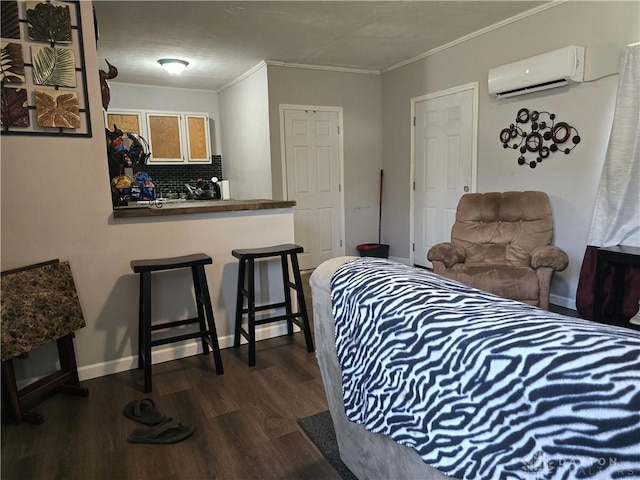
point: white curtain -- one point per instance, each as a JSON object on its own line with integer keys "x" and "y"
{"x": 616, "y": 217}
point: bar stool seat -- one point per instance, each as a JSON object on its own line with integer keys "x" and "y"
{"x": 207, "y": 326}
{"x": 246, "y": 273}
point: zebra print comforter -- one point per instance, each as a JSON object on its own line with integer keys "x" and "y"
{"x": 483, "y": 387}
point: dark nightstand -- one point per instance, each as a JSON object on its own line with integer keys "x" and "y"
{"x": 620, "y": 256}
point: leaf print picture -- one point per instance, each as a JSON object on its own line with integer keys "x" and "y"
{"x": 43, "y": 73}
{"x": 57, "y": 108}
{"x": 53, "y": 66}
{"x": 49, "y": 22}
{"x": 9, "y": 19}
{"x": 15, "y": 112}
{"x": 12, "y": 70}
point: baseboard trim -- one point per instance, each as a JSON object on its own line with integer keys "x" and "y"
{"x": 404, "y": 261}
{"x": 563, "y": 301}
{"x": 173, "y": 352}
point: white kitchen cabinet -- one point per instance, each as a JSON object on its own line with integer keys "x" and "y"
{"x": 174, "y": 137}
{"x": 178, "y": 138}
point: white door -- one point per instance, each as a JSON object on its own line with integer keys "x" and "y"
{"x": 444, "y": 156}
{"x": 313, "y": 161}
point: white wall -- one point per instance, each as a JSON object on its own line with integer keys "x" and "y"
{"x": 126, "y": 95}
{"x": 360, "y": 97}
{"x": 56, "y": 203}
{"x": 571, "y": 181}
{"x": 244, "y": 127}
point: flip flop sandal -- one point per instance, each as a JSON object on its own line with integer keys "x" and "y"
{"x": 144, "y": 411}
{"x": 171, "y": 431}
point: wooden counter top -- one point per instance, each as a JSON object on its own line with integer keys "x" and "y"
{"x": 200, "y": 206}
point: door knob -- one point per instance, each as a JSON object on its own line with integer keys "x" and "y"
{"x": 466, "y": 188}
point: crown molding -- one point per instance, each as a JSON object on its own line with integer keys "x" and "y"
{"x": 495, "y": 26}
{"x": 490, "y": 28}
{"x": 277, "y": 63}
{"x": 147, "y": 86}
{"x": 259, "y": 66}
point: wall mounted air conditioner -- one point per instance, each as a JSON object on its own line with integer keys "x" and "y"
{"x": 549, "y": 70}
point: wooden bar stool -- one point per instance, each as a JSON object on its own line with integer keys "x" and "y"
{"x": 207, "y": 331}
{"x": 246, "y": 273}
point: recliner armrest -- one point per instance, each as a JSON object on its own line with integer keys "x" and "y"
{"x": 549, "y": 256}
{"x": 447, "y": 253}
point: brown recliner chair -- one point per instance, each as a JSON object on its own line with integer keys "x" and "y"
{"x": 501, "y": 243}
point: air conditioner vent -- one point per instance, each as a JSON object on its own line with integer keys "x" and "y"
{"x": 549, "y": 70}
{"x": 535, "y": 88}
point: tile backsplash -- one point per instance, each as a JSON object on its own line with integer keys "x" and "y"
{"x": 171, "y": 178}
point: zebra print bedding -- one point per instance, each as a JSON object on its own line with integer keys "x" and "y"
{"x": 483, "y": 387}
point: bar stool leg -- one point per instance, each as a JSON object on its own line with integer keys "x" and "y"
{"x": 301, "y": 302}
{"x": 213, "y": 334}
{"x": 287, "y": 293}
{"x": 251, "y": 312}
{"x": 140, "y": 324}
{"x": 239, "y": 303}
{"x": 198, "y": 291}
{"x": 145, "y": 287}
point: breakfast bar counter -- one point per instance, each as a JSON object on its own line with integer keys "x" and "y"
{"x": 168, "y": 228}
{"x": 160, "y": 208}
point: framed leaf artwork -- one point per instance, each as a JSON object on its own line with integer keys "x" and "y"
{"x": 9, "y": 19}
{"x": 14, "y": 107}
{"x": 49, "y": 22}
{"x": 44, "y": 83}
{"x": 53, "y": 66}
{"x": 12, "y": 69}
{"x": 57, "y": 108}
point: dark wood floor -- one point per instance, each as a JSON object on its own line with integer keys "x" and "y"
{"x": 245, "y": 422}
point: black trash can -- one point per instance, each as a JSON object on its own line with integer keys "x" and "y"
{"x": 378, "y": 250}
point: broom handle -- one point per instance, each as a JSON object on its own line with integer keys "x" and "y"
{"x": 380, "y": 210}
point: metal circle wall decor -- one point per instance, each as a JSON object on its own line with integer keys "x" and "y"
{"x": 544, "y": 138}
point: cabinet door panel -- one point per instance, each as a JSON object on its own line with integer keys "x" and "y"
{"x": 127, "y": 122}
{"x": 197, "y": 143}
{"x": 198, "y": 138}
{"x": 165, "y": 138}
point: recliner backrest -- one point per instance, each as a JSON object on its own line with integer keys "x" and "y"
{"x": 502, "y": 227}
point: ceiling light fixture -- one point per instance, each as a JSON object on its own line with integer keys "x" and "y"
{"x": 173, "y": 65}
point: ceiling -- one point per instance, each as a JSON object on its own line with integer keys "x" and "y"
{"x": 222, "y": 40}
